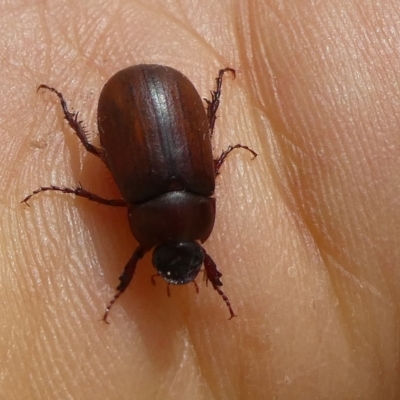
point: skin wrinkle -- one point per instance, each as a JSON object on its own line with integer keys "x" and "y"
{"x": 344, "y": 148}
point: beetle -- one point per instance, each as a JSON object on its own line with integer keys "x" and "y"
{"x": 155, "y": 136}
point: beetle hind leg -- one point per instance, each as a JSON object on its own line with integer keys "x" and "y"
{"x": 213, "y": 104}
{"x": 75, "y": 124}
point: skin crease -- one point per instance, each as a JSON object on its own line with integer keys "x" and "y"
{"x": 306, "y": 235}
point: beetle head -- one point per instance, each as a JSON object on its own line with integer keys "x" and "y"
{"x": 178, "y": 262}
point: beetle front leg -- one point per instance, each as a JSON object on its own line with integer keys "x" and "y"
{"x": 126, "y": 277}
{"x": 78, "y": 191}
{"x": 75, "y": 124}
{"x": 213, "y": 276}
{"x": 220, "y": 160}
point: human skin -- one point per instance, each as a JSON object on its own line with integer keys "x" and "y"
{"x": 306, "y": 235}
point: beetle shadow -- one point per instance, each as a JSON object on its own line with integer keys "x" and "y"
{"x": 148, "y": 307}
{"x": 159, "y": 320}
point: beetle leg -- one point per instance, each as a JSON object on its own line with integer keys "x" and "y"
{"x": 78, "y": 191}
{"x": 168, "y": 289}
{"x": 126, "y": 277}
{"x": 213, "y": 276}
{"x": 220, "y": 160}
{"x": 153, "y": 281}
{"x": 75, "y": 124}
{"x": 196, "y": 286}
{"x": 213, "y": 104}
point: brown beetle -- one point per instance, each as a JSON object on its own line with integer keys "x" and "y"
{"x": 155, "y": 138}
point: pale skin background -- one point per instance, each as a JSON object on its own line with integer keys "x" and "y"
{"x": 306, "y": 236}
